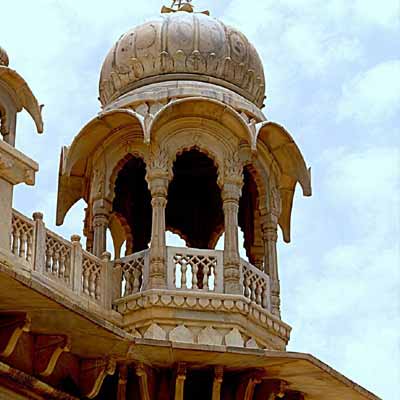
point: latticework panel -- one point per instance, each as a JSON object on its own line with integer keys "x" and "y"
{"x": 132, "y": 271}
{"x": 22, "y": 237}
{"x": 193, "y": 271}
{"x": 58, "y": 257}
{"x": 91, "y": 277}
{"x": 255, "y": 285}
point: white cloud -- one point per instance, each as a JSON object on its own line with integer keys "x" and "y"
{"x": 384, "y": 13}
{"x": 373, "y": 96}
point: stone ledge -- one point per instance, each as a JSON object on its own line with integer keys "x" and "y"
{"x": 16, "y": 167}
{"x": 202, "y": 318}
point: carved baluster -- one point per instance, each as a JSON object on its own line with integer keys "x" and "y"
{"x": 15, "y": 242}
{"x": 247, "y": 283}
{"x": 136, "y": 280}
{"x": 22, "y": 245}
{"x": 205, "y": 277}
{"x": 253, "y": 287}
{"x": 183, "y": 277}
{"x": 29, "y": 249}
{"x": 128, "y": 284}
{"x": 55, "y": 265}
{"x": 259, "y": 291}
{"x": 97, "y": 283}
{"x": 86, "y": 274}
{"x": 265, "y": 297}
{"x": 67, "y": 269}
{"x": 48, "y": 260}
{"x": 195, "y": 270}
{"x": 92, "y": 284}
{"x": 61, "y": 269}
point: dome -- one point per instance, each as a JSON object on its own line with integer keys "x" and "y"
{"x": 3, "y": 57}
{"x": 183, "y": 46}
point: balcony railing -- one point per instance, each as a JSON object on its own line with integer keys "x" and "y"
{"x": 62, "y": 264}
{"x": 66, "y": 266}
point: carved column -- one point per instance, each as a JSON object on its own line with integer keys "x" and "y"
{"x": 270, "y": 237}
{"x": 158, "y": 178}
{"x": 231, "y": 192}
{"x": 101, "y": 213}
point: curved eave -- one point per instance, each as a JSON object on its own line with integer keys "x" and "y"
{"x": 23, "y": 94}
{"x": 93, "y": 135}
{"x": 292, "y": 166}
{"x": 201, "y": 107}
{"x": 73, "y": 161}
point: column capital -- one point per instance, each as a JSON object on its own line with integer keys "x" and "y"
{"x": 158, "y": 166}
{"x": 101, "y": 207}
{"x": 233, "y": 172}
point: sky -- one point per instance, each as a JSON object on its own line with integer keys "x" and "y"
{"x": 333, "y": 80}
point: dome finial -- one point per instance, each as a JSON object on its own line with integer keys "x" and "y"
{"x": 181, "y": 5}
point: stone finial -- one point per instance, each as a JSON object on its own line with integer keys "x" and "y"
{"x": 4, "y": 60}
{"x": 181, "y": 5}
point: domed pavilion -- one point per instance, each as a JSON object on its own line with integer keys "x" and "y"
{"x": 181, "y": 145}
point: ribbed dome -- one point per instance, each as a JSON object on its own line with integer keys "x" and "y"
{"x": 183, "y": 46}
{"x": 3, "y": 57}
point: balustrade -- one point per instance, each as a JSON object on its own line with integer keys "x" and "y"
{"x": 22, "y": 236}
{"x": 195, "y": 269}
{"x": 133, "y": 268}
{"x": 91, "y": 276}
{"x": 58, "y": 257}
{"x": 68, "y": 265}
{"x": 255, "y": 284}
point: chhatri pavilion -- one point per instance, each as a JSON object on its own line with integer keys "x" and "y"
{"x": 180, "y": 145}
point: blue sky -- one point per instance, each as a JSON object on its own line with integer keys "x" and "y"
{"x": 333, "y": 80}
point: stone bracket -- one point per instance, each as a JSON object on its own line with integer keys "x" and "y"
{"x": 48, "y": 349}
{"x": 11, "y": 328}
{"x": 92, "y": 375}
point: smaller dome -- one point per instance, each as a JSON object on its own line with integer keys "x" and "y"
{"x": 4, "y": 57}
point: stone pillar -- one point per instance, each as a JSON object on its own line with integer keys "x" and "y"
{"x": 270, "y": 237}
{"x": 6, "y": 198}
{"x": 39, "y": 244}
{"x": 101, "y": 212}
{"x": 231, "y": 192}
{"x": 158, "y": 178}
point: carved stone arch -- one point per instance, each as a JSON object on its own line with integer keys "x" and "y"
{"x": 116, "y": 168}
{"x": 206, "y": 139}
{"x": 203, "y": 108}
{"x": 219, "y": 231}
{"x": 134, "y": 202}
{"x": 120, "y": 232}
{"x": 193, "y": 155}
